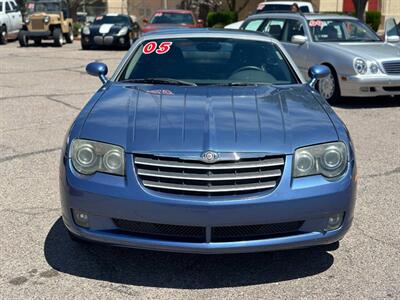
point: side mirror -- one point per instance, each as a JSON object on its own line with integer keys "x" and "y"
{"x": 98, "y": 69}
{"x": 393, "y": 39}
{"x": 145, "y": 21}
{"x": 299, "y": 39}
{"x": 317, "y": 72}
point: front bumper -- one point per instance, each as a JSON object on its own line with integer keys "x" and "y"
{"x": 104, "y": 41}
{"x": 39, "y": 34}
{"x": 311, "y": 199}
{"x": 370, "y": 86}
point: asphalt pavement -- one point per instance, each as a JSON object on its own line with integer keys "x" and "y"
{"x": 42, "y": 89}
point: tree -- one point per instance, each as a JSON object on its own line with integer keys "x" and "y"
{"x": 232, "y": 5}
{"x": 360, "y": 6}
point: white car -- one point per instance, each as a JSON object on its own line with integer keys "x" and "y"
{"x": 10, "y": 20}
{"x": 269, "y": 6}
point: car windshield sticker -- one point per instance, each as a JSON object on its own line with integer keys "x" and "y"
{"x": 163, "y": 48}
{"x": 99, "y": 18}
{"x": 158, "y": 14}
{"x": 314, "y": 23}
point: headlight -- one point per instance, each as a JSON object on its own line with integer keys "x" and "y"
{"x": 27, "y": 20}
{"x": 89, "y": 157}
{"x": 123, "y": 31}
{"x": 46, "y": 20}
{"x": 86, "y": 30}
{"x": 329, "y": 160}
{"x": 373, "y": 67}
{"x": 360, "y": 66}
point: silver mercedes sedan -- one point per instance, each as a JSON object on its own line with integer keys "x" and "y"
{"x": 362, "y": 65}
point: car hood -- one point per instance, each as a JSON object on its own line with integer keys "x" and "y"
{"x": 163, "y": 119}
{"x": 106, "y": 28}
{"x": 377, "y": 51}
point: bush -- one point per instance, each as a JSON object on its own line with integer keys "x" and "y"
{"x": 76, "y": 29}
{"x": 221, "y": 18}
{"x": 373, "y": 19}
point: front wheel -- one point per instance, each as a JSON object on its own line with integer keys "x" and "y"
{"x": 3, "y": 35}
{"x": 58, "y": 37}
{"x": 69, "y": 37}
{"x": 328, "y": 87}
{"x": 23, "y": 39}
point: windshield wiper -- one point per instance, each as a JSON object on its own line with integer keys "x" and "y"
{"x": 160, "y": 81}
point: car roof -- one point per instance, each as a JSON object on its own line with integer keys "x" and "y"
{"x": 206, "y": 32}
{"x": 175, "y": 11}
{"x": 307, "y": 16}
{"x": 299, "y": 3}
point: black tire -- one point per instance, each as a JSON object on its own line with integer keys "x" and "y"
{"x": 3, "y": 35}
{"x": 23, "y": 39}
{"x": 69, "y": 37}
{"x": 85, "y": 47}
{"x": 333, "y": 97}
{"x": 58, "y": 37}
{"x": 129, "y": 43}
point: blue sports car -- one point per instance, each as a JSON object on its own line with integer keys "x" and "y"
{"x": 207, "y": 141}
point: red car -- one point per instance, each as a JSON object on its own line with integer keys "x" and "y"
{"x": 171, "y": 18}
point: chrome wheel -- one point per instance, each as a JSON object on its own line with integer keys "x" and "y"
{"x": 326, "y": 87}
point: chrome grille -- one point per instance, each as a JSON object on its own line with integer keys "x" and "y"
{"x": 392, "y": 67}
{"x": 178, "y": 176}
{"x": 37, "y": 24}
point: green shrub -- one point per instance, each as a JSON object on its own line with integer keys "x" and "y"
{"x": 76, "y": 29}
{"x": 221, "y": 18}
{"x": 373, "y": 19}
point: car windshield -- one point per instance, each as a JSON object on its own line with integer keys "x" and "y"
{"x": 171, "y": 18}
{"x": 209, "y": 61}
{"x": 110, "y": 19}
{"x": 345, "y": 30}
{"x": 43, "y": 7}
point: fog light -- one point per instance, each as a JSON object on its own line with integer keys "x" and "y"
{"x": 87, "y": 40}
{"x": 334, "y": 221}
{"x": 122, "y": 40}
{"x": 81, "y": 218}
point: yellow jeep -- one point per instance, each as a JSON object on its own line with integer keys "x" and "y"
{"x": 46, "y": 20}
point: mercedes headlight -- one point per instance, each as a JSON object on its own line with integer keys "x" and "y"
{"x": 373, "y": 67}
{"x": 329, "y": 160}
{"x": 360, "y": 66}
{"x": 123, "y": 31}
{"x": 86, "y": 30}
{"x": 46, "y": 20}
{"x": 89, "y": 157}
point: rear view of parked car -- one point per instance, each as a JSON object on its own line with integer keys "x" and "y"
{"x": 167, "y": 18}
{"x": 10, "y": 20}
{"x": 111, "y": 30}
{"x": 361, "y": 64}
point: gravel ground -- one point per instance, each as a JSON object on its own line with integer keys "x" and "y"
{"x": 42, "y": 89}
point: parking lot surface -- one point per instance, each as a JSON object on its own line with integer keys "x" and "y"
{"x": 42, "y": 89}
